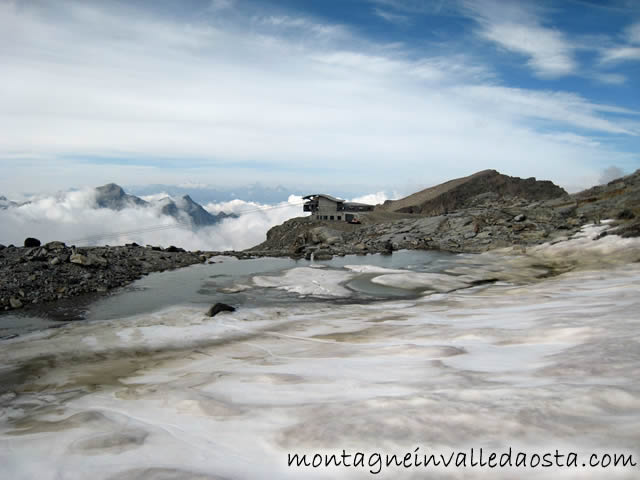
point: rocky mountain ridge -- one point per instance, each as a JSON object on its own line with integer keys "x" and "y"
{"x": 487, "y": 221}
{"x": 466, "y": 192}
{"x": 6, "y": 203}
{"x": 113, "y": 197}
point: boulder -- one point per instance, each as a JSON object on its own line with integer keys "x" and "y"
{"x": 324, "y": 235}
{"x": 322, "y": 255}
{"x": 172, "y": 249}
{"x": 55, "y": 246}
{"x": 626, "y": 214}
{"x": 79, "y": 259}
{"x": 97, "y": 260}
{"x": 31, "y": 242}
{"x": 519, "y": 218}
{"x": 38, "y": 254}
{"x": 89, "y": 260}
{"x": 333, "y": 240}
{"x": 15, "y": 303}
{"x": 219, "y": 307}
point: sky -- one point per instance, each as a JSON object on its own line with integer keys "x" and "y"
{"x": 392, "y": 95}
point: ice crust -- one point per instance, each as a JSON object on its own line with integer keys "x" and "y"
{"x": 176, "y": 395}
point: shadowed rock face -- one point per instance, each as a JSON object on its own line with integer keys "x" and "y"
{"x": 469, "y": 191}
{"x": 112, "y": 196}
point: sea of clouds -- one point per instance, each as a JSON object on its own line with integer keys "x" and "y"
{"x": 72, "y": 217}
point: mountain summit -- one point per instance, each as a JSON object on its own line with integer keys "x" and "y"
{"x": 468, "y": 191}
{"x": 185, "y": 205}
{"x": 112, "y": 196}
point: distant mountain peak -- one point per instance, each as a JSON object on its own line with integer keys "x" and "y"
{"x": 113, "y": 196}
{"x": 6, "y": 203}
{"x": 111, "y": 187}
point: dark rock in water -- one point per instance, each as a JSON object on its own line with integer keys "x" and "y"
{"x": 132, "y": 244}
{"x": 322, "y": 255}
{"x": 219, "y": 307}
{"x": 31, "y": 242}
{"x": 172, "y": 249}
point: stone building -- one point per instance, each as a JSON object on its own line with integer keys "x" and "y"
{"x": 326, "y": 207}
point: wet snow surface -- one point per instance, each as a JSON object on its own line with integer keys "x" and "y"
{"x": 441, "y": 353}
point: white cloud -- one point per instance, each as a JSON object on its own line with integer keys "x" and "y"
{"x": 72, "y": 217}
{"x": 620, "y": 54}
{"x": 548, "y": 51}
{"x": 154, "y": 197}
{"x": 216, "y": 5}
{"x": 633, "y": 33}
{"x": 280, "y": 99}
{"x": 390, "y": 17}
{"x": 554, "y": 107}
{"x": 611, "y": 173}
{"x": 574, "y": 139}
{"x": 416, "y": 6}
{"x": 517, "y": 28}
{"x": 610, "y": 78}
{"x": 628, "y": 50}
{"x": 304, "y": 25}
{"x": 375, "y": 198}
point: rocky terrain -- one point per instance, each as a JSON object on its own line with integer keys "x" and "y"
{"x": 35, "y": 273}
{"x": 466, "y": 191}
{"x": 504, "y": 212}
{"x": 497, "y": 211}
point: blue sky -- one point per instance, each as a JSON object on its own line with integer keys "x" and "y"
{"x": 374, "y": 94}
